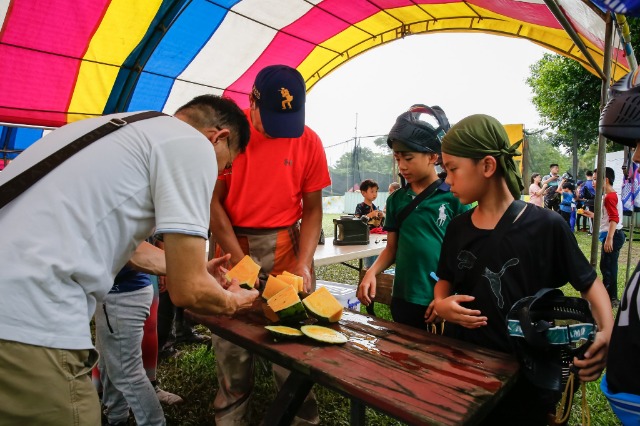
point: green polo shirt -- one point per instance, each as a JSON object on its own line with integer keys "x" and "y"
{"x": 420, "y": 240}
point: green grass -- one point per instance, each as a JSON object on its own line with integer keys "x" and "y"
{"x": 192, "y": 373}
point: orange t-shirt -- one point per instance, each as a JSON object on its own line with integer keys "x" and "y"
{"x": 266, "y": 183}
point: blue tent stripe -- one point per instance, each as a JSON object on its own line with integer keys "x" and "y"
{"x": 184, "y": 40}
{"x": 17, "y": 139}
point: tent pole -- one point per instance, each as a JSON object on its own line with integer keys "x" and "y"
{"x": 602, "y": 143}
{"x": 623, "y": 27}
{"x": 562, "y": 19}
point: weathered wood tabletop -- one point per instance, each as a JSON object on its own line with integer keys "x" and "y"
{"x": 413, "y": 376}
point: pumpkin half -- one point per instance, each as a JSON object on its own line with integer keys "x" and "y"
{"x": 323, "y": 305}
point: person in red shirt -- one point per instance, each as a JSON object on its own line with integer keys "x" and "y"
{"x": 611, "y": 235}
{"x": 269, "y": 206}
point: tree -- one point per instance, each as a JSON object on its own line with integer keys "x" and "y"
{"x": 361, "y": 163}
{"x": 567, "y": 97}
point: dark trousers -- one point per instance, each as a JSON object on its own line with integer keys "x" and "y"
{"x": 609, "y": 264}
{"x": 408, "y": 313}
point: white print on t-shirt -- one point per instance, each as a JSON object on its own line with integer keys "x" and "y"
{"x": 442, "y": 215}
{"x": 467, "y": 259}
{"x": 494, "y": 279}
{"x": 628, "y": 297}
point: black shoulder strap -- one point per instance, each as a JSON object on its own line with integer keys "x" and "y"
{"x": 515, "y": 209}
{"x": 417, "y": 200}
{"x": 20, "y": 183}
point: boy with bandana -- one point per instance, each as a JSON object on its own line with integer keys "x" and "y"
{"x": 479, "y": 162}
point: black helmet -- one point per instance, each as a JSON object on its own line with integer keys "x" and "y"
{"x": 620, "y": 118}
{"x": 421, "y": 128}
{"x": 547, "y": 330}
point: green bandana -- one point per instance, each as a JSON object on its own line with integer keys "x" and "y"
{"x": 480, "y": 135}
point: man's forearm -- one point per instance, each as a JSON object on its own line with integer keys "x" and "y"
{"x": 148, "y": 259}
{"x": 310, "y": 234}
{"x": 220, "y": 224}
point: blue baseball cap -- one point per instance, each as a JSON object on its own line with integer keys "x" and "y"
{"x": 280, "y": 92}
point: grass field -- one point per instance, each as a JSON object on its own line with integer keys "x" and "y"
{"x": 191, "y": 373}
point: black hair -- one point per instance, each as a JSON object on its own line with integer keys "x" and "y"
{"x": 553, "y": 165}
{"x": 588, "y": 173}
{"x": 533, "y": 176}
{"x": 608, "y": 174}
{"x": 216, "y": 111}
{"x": 368, "y": 183}
{"x": 569, "y": 186}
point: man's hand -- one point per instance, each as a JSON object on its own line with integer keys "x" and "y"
{"x": 450, "y": 309}
{"x": 608, "y": 244}
{"x": 217, "y": 268}
{"x": 304, "y": 271}
{"x": 243, "y": 298}
{"x": 367, "y": 289}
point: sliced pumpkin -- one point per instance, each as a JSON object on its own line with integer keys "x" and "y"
{"x": 323, "y": 305}
{"x": 287, "y": 306}
{"x": 282, "y": 332}
{"x": 273, "y": 286}
{"x": 323, "y": 334}
{"x": 246, "y": 271}
{"x": 296, "y": 281}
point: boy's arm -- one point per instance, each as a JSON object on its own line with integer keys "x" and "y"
{"x": 449, "y": 307}
{"x": 367, "y": 287}
{"x": 595, "y": 358}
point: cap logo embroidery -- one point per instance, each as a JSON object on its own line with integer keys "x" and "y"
{"x": 256, "y": 93}
{"x": 287, "y": 98}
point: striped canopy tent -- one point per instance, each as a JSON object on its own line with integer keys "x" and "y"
{"x": 65, "y": 60}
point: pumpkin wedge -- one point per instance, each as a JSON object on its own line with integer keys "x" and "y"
{"x": 287, "y": 306}
{"x": 246, "y": 271}
{"x": 296, "y": 281}
{"x": 273, "y": 286}
{"x": 323, "y": 334}
{"x": 323, "y": 305}
{"x": 282, "y": 332}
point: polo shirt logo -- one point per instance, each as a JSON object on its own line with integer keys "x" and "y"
{"x": 287, "y": 98}
{"x": 442, "y": 215}
{"x": 288, "y": 162}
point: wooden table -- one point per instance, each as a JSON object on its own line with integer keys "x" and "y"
{"x": 411, "y": 375}
{"x": 328, "y": 254}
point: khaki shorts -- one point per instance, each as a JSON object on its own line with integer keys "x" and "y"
{"x": 45, "y": 386}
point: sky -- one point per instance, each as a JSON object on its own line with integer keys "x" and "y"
{"x": 462, "y": 73}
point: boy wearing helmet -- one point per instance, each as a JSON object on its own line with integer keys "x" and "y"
{"x": 414, "y": 232}
{"x": 482, "y": 276}
{"x": 620, "y": 122}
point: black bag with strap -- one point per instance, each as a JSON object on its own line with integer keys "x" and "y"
{"x": 20, "y": 183}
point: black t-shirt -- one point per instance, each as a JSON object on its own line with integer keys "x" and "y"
{"x": 623, "y": 368}
{"x": 537, "y": 251}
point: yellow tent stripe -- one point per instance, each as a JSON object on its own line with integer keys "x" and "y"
{"x": 121, "y": 30}
{"x": 451, "y": 17}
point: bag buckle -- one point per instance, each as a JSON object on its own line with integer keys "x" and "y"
{"x": 119, "y": 122}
